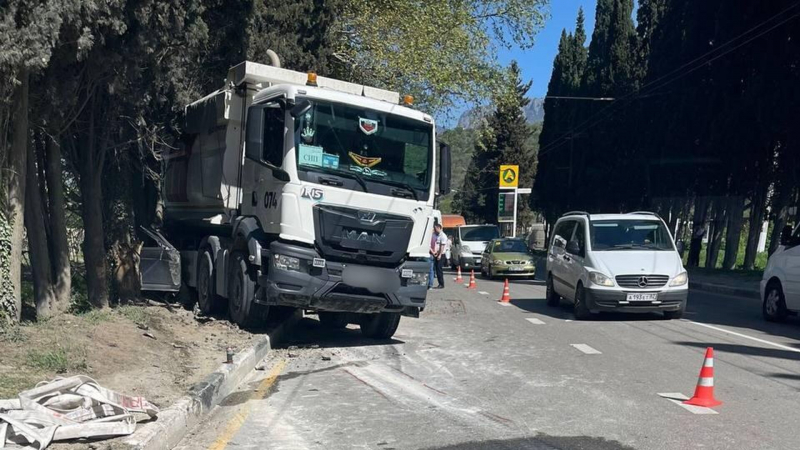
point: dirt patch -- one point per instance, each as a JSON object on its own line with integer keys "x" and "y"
{"x": 114, "y": 348}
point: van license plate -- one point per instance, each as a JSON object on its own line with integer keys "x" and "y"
{"x": 643, "y": 297}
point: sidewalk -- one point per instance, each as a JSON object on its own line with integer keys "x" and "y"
{"x": 740, "y": 283}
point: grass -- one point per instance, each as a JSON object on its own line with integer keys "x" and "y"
{"x": 12, "y": 334}
{"x": 58, "y": 359}
{"x": 95, "y": 316}
{"x": 135, "y": 314}
{"x": 11, "y": 384}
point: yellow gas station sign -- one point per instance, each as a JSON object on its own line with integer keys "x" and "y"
{"x": 509, "y": 176}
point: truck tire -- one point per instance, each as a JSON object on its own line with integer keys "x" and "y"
{"x": 207, "y": 298}
{"x": 242, "y": 308}
{"x": 333, "y": 320}
{"x": 380, "y": 326}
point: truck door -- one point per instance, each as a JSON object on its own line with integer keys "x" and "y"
{"x": 160, "y": 264}
{"x": 261, "y": 191}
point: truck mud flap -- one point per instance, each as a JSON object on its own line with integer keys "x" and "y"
{"x": 160, "y": 264}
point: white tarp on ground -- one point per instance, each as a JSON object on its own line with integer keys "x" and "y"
{"x": 68, "y": 408}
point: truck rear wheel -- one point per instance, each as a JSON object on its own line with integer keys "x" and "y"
{"x": 207, "y": 298}
{"x": 333, "y": 320}
{"x": 242, "y": 308}
{"x": 380, "y": 326}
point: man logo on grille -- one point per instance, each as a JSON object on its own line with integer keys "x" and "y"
{"x": 642, "y": 281}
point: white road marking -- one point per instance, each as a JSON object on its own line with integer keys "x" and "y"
{"x": 567, "y": 320}
{"x": 535, "y": 321}
{"x": 763, "y": 341}
{"x": 504, "y": 304}
{"x": 678, "y": 398}
{"x": 483, "y": 293}
{"x": 586, "y": 349}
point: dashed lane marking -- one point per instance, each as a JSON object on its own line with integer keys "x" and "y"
{"x": 586, "y": 349}
{"x": 483, "y": 293}
{"x": 238, "y": 420}
{"x": 535, "y": 321}
{"x": 504, "y": 303}
{"x": 678, "y": 398}
{"x": 763, "y": 341}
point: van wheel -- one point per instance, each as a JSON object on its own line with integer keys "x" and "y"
{"x": 774, "y": 306}
{"x": 333, "y": 320}
{"x": 242, "y": 308}
{"x": 380, "y": 326}
{"x": 207, "y": 299}
{"x": 553, "y": 299}
{"x": 669, "y": 315}
{"x": 581, "y": 311}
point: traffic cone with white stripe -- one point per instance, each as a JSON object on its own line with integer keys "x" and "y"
{"x": 506, "y": 298}
{"x": 472, "y": 284}
{"x": 458, "y": 277}
{"x": 704, "y": 393}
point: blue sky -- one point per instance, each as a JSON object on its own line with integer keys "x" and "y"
{"x": 537, "y": 63}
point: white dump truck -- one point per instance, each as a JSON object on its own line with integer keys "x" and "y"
{"x": 294, "y": 190}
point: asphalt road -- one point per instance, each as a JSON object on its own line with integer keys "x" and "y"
{"x": 473, "y": 374}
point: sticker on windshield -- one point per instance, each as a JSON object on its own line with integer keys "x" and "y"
{"x": 368, "y": 171}
{"x": 308, "y": 135}
{"x": 364, "y": 161}
{"x": 330, "y": 160}
{"x": 367, "y": 126}
{"x": 310, "y": 155}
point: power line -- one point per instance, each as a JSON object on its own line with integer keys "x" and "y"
{"x": 641, "y": 91}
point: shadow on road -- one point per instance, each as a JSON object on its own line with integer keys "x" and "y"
{"x": 540, "y": 442}
{"x": 564, "y": 311}
{"x": 746, "y": 350}
{"x": 309, "y": 332}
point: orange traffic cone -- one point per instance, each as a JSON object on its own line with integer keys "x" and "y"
{"x": 458, "y": 278}
{"x": 506, "y": 296}
{"x": 472, "y": 284}
{"x": 704, "y": 393}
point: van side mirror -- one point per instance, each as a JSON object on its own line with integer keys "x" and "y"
{"x": 254, "y": 141}
{"x": 573, "y": 247}
{"x": 444, "y": 168}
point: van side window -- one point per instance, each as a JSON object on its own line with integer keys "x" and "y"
{"x": 580, "y": 236}
{"x": 564, "y": 230}
{"x": 274, "y": 118}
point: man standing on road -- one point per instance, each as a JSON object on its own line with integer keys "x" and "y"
{"x": 432, "y": 251}
{"x": 438, "y": 255}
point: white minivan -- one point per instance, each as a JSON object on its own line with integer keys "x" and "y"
{"x": 469, "y": 243}
{"x": 615, "y": 262}
{"x": 780, "y": 285}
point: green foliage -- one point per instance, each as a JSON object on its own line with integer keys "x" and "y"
{"x": 7, "y": 303}
{"x": 58, "y": 359}
{"x": 440, "y": 51}
{"x": 505, "y": 139}
{"x": 135, "y": 314}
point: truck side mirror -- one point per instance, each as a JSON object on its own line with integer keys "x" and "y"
{"x": 254, "y": 141}
{"x": 444, "y": 169}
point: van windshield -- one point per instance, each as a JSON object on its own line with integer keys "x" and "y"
{"x": 479, "y": 233}
{"x": 630, "y": 235}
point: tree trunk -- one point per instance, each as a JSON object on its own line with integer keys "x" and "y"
{"x": 43, "y": 294}
{"x": 698, "y": 231}
{"x": 715, "y": 236}
{"x": 756, "y": 219}
{"x": 59, "y": 245}
{"x": 733, "y": 232}
{"x": 92, "y": 212}
{"x": 16, "y": 187}
{"x": 782, "y": 199}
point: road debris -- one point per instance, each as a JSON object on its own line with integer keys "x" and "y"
{"x": 150, "y": 335}
{"x": 69, "y": 408}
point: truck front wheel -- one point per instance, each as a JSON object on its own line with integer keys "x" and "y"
{"x": 380, "y": 326}
{"x": 242, "y": 308}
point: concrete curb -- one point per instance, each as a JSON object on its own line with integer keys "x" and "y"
{"x": 724, "y": 289}
{"x": 176, "y": 420}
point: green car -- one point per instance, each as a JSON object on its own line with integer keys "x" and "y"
{"x": 507, "y": 258}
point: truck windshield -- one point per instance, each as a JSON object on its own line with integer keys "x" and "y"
{"x": 378, "y": 147}
{"x": 479, "y": 233}
{"x": 630, "y": 235}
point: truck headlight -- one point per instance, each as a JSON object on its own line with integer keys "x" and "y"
{"x": 418, "y": 278}
{"x": 284, "y": 262}
{"x": 600, "y": 279}
{"x": 681, "y": 279}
